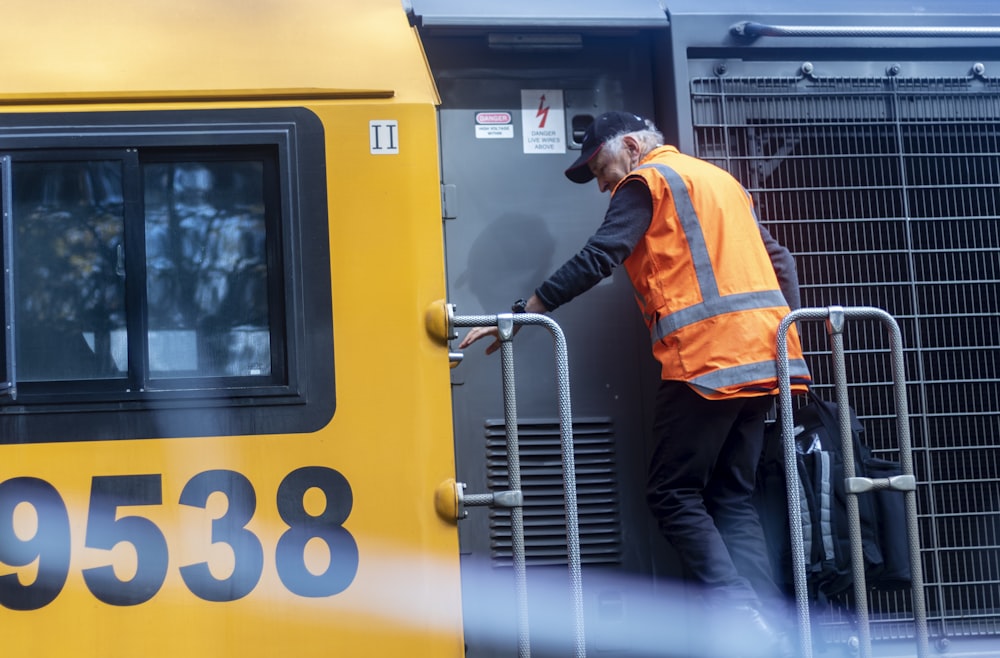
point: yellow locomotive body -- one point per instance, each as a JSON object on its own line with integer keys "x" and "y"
{"x": 183, "y": 506}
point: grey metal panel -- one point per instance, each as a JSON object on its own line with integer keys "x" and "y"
{"x": 844, "y": 10}
{"x": 697, "y": 24}
{"x": 534, "y": 14}
{"x": 702, "y": 44}
{"x": 516, "y": 218}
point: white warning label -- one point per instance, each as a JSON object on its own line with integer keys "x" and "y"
{"x": 383, "y": 137}
{"x": 543, "y": 121}
{"x": 494, "y": 125}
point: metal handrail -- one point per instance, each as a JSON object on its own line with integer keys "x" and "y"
{"x": 505, "y": 323}
{"x": 752, "y": 30}
{"x": 835, "y": 317}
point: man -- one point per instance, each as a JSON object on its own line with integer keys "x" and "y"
{"x": 713, "y": 286}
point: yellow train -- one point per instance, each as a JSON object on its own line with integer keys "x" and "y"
{"x": 224, "y": 419}
{"x": 237, "y": 238}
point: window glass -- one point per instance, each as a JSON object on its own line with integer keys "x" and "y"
{"x": 206, "y": 269}
{"x": 154, "y": 275}
{"x": 69, "y": 276}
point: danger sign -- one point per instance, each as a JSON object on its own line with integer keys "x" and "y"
{"x": 543, "y": 121}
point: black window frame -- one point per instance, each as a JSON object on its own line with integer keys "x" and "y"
{"x": 298, "y": 394}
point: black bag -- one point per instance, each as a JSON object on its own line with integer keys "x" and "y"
{"x": 826, "y": 538}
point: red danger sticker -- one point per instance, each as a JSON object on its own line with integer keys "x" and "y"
{"x": 493, "y": 118}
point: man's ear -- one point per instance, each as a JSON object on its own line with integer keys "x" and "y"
{"x": 632, "y": 144}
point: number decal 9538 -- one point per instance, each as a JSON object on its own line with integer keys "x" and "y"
{"x": 109, "y": 524}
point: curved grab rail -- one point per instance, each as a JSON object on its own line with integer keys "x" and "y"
{"x": 505, "y": 323}
{"x": 835, "y": 317}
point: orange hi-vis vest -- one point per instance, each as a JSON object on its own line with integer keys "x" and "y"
{"x": 705, "y": 283}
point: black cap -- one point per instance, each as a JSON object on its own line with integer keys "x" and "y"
{"x": 601, "y": 130}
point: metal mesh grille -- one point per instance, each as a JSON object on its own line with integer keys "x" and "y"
{"x": 541, "y": 482}
{"x": 888, "y": 193}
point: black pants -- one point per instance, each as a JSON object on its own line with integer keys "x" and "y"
{"x": 701, "y": 482}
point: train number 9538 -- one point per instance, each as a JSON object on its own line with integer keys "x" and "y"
{"x": 108, "y": 526}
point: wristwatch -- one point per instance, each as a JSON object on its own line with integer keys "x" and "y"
{"x": 519, "y": 306}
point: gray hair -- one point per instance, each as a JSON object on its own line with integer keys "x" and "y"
{"x": 648, "y": 139}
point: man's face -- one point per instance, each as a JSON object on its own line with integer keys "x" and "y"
{"x": 609, "y": 169}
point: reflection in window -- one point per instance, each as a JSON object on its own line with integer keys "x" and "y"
{"x": 153, "y": 275}
{"x": 206, "y": 269}
{"x": 69, "y": 274}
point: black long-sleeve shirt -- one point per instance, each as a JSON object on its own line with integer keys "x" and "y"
{"x": 626, "y": 221}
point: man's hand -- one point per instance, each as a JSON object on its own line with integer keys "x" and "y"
{"x": 482, "y": 332}
{"x": 534, "y": 305}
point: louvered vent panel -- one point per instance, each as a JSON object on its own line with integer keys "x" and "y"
{"x": 542, "y": 484}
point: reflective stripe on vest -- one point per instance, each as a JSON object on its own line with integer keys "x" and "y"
{"x": 750, "y": 372}
{"x": 746, "y": 301}
{"x": 692, "y": 230}
{"x": 712, "y": 303}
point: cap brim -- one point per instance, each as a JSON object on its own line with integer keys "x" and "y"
{"x": 579, "y": 171}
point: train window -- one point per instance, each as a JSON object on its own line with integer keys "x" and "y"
{"x": 204, "y": 236}
{"x": 207, "y": 269}
{"x": 149, "y": 266}
{"x": 69, "y": 291}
